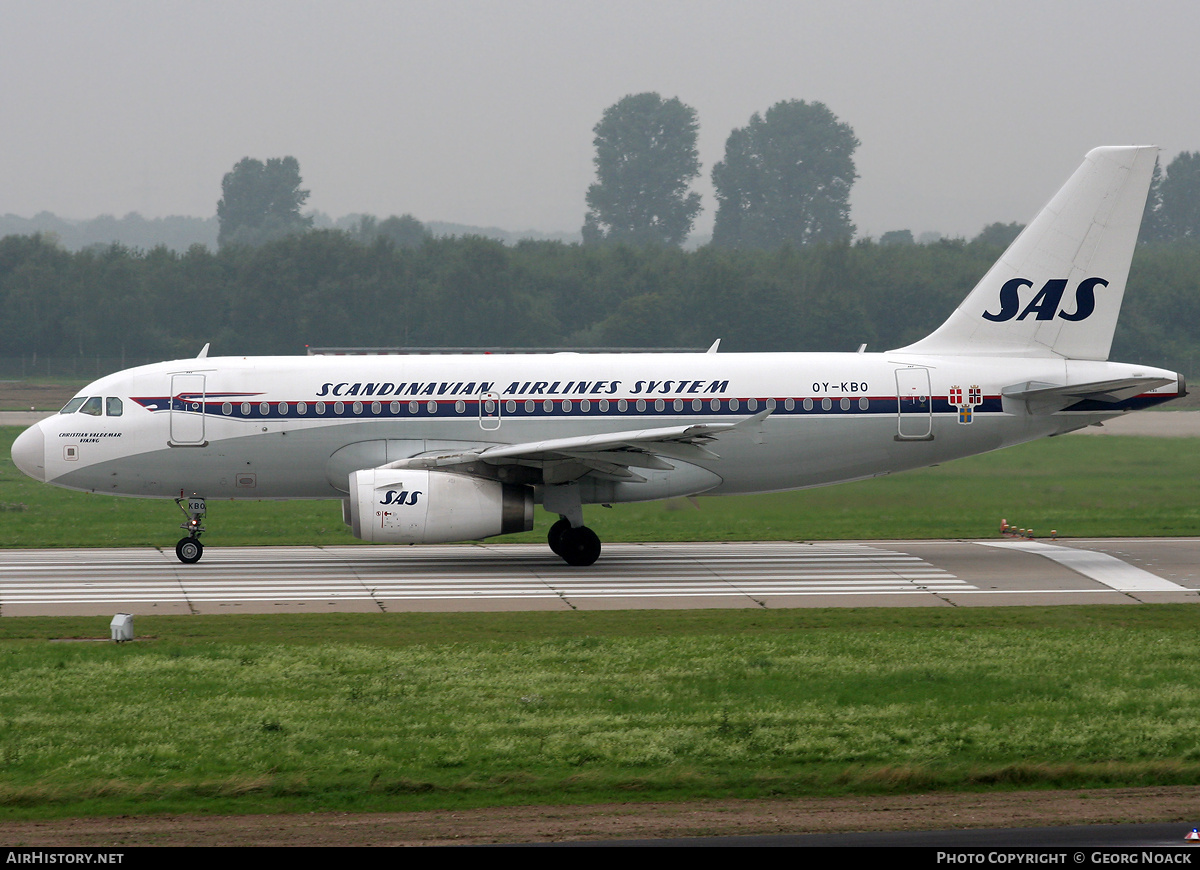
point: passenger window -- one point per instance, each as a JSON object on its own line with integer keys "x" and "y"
{"x": 93, "y": 406}
{"x": 72, "y": 406}
{"x": 113, "y": 407}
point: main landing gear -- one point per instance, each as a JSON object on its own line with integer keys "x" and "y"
{"x": 569, "y": 538}
{"x": 189, "y": 549}
{"x": 575, "y": 545}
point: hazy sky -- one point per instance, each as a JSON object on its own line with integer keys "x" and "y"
{"x": 482, "y": 112}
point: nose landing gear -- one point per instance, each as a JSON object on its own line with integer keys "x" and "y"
{"x": 189, "y": 549}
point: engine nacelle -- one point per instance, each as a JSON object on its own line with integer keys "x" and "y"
{"x": 400, "y": 506}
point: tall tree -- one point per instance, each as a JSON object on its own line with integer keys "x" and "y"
{"x": 261, "y": 202}
{"x": 1179, "y": 192}
{"x": 645, "y": 161}
{"x": 786, "y": 179}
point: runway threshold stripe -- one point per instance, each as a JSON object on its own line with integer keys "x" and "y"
{"x": 549, "y": 595}
{"x": 441, "y": 569}
{"x": 509, "y": 583}
{"x": 497, "y": 573}
{"x": 468, "y": 583}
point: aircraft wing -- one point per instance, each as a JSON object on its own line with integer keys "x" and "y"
{"x": 610, "y": 455}
{"x": 1043, "y": 398}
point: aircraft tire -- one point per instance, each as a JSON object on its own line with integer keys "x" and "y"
{"x": 579, "y": 547}
{"x": 189, "y": 550}
{"x": 555, "y": 536}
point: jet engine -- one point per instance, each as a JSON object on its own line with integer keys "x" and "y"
{"x": 402, "y": 506}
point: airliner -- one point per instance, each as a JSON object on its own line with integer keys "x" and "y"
{"x": 425, "y": 449}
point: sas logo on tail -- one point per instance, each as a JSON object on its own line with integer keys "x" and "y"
{"x": 1046, "y": 303}
{"x": 402, "y": 497}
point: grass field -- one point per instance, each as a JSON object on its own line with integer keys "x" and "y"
{"x": 1078, "y": 486}
{"x": 358, "y": 712}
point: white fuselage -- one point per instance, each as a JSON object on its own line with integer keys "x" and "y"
{"x": 296, "y": 427}
{"x": 428, "y": 448}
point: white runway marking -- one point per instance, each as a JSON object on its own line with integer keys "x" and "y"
{"x": 511, "y": 571}
{"x": 628, "y": 576}
{"x": 1101, "y": 567}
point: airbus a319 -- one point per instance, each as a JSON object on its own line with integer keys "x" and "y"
{"x": 438, "y": 448}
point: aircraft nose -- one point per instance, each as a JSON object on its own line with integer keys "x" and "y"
{"x": 29, "y": 452}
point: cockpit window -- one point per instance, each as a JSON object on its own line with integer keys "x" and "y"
{"x": 96, "y": 406}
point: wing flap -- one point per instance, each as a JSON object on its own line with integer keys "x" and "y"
{"x": 611, "y": 454}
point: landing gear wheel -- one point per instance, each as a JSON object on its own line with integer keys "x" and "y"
{"x": 555, "y": 537}
{"x": 579, "y": 546}
{"x": 189, "y": 550}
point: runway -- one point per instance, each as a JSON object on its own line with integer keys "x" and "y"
{"x": 640, "y": 576}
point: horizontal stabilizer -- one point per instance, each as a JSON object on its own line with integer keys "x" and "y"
{"x": 1040, "y": 398}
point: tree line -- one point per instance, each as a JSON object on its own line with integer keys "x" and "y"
{"x": 782, "y": 271}
{"x": 329, "y": 288}
{"x": 785, "y": 180}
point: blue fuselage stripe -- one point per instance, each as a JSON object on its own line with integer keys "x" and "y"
{"x": 565, "y": 408}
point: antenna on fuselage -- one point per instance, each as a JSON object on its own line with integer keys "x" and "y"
{"x": 714, "y": 347}
{"x": 203, "y": 351}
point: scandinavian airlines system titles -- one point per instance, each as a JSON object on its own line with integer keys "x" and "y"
{"x": 519, "y": 388}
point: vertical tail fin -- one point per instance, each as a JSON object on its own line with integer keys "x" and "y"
{"x": 1057, "y": 290}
